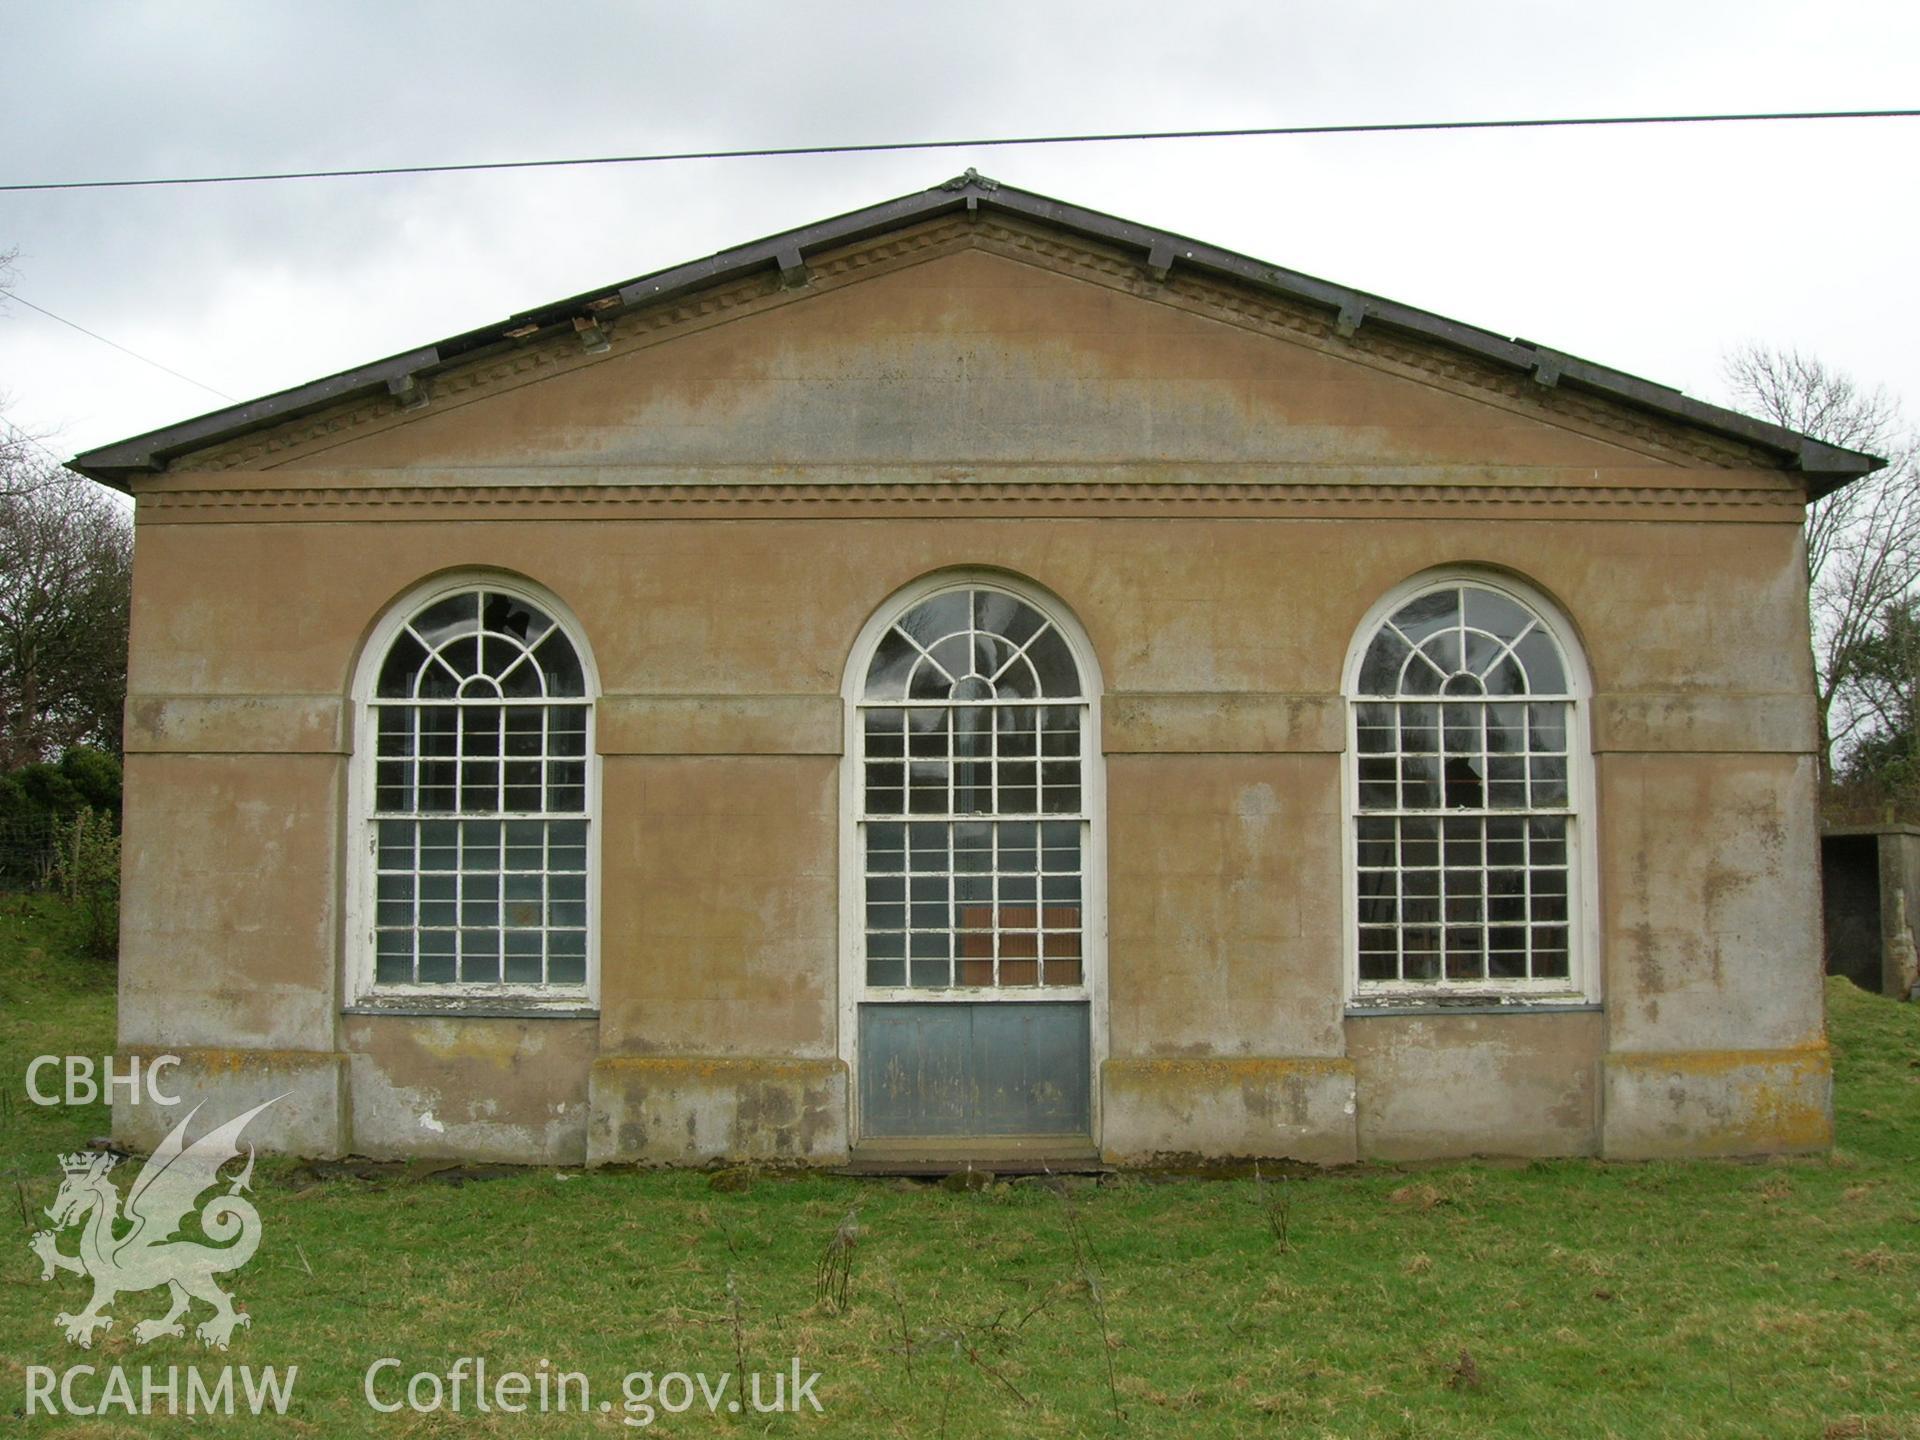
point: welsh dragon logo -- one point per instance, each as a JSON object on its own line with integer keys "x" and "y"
{"x": 137, "y": 1250}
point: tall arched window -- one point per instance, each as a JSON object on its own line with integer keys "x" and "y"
{"x": 477, "y": 802}
{"x": 1466, "y": 796}
{"x": 973, "y": 803}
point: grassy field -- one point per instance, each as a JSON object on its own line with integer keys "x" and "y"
{"x": 1570, "y": 1298}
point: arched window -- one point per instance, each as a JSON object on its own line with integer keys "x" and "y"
{"x": 1466, "y": 793}
{"x": 973, "y": 799}
{"x": 476, "y": 766}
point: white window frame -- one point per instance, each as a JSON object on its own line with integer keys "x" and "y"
{"x": 854, "y": 989}
{"x": 503, "y": 998}
{"x": 1582, "y": 987}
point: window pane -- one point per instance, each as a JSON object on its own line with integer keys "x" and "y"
{"x": 1505, "y": 678}
{"x": 1477, "y": 894}
{"x": 972, "y": 911}
{"x": 393, "y": 957}
{"x": 1422, "y": 675}
{"x": 441, "y": 621}
{"x": 480, "y": 956}
{"x": 1053, "y": 661}
{"x": 437, "y": 962}
{"x": 1546, "y": 672}
{"x": 560, "y": 666}
{"x": 505, "y": 615}
{"x": 522, "y": 680}
{"x": 1421, "y": 617}
{"x": 1019, "y": 681}
{"x": 892, "y": 662}
{"x": 933, "y": 620}
{"x": 1001, "y": 614}
{"x": 523, "y": 958}
{"x": 398, "y": 671}
{"x": 1380, "y": 671}
{"x": 493, "y": 901}
{"x": 1547, "y": 727}
{"x": 1482, "y": 651}
{"x": 1495, "y": 613}
{"x": 567, "y": 730}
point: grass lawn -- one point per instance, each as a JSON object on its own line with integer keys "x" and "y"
{"x": 1569, "y": 1298}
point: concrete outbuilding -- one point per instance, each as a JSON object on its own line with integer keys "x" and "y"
{"x": 1871, "y": 879}
{"x": 977, "y": 679}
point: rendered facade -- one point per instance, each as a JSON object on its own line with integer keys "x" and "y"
{"x": 977, "y": 680}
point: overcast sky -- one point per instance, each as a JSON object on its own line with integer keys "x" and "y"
{"x": 1649, "y": 250}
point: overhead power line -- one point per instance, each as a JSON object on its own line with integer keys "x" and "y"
{"x": 1118, "y": 137}
{"x": 26, "y": 438}
{"x": 144, "y": 360}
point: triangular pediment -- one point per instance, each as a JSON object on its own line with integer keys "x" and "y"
{"x": 955, "y": 341}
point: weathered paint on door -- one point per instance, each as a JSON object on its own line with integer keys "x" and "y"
{"x": 960, "y": 1069}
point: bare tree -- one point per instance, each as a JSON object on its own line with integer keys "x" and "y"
{"x": 66, "y": 568}
{"x": 1863, "y": 540}
{"x": 25, "y": 461}
{"x": 21, "y": 452}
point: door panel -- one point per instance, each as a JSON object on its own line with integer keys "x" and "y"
{"x": 969, "y": 1069}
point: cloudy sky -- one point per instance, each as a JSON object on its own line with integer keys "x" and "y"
{"x": 1650, "y": 250}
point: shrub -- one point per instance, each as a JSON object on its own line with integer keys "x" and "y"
{"x": 87, "y": 872}
{"x": 94, "y": 776}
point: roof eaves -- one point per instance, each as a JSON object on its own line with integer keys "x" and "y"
{"x": 148, "y": 453}
{"x": 124, "y": 461}
{"x": 1827, "y": 467}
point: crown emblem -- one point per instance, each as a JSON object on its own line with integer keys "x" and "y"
{"x": 82, "y": 1162}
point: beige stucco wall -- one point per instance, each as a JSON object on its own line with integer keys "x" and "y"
{"x": 724, "y": 500}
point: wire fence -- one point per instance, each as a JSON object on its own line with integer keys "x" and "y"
{"x": 29, "y": 850}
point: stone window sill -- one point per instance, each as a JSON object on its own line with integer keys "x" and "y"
{"x": 1484, "y": 1005}
{"x": 473, "y": 1010}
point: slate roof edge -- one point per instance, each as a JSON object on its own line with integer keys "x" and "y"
{"x": 1827, "y": 467}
